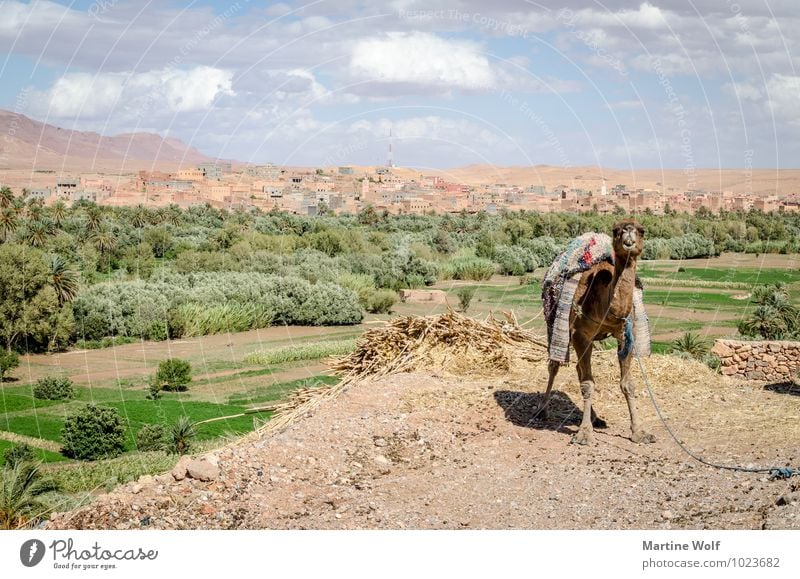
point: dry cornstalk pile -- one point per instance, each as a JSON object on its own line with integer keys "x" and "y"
{"x": 449, "y": 342}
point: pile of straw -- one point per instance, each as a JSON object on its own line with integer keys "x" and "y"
{"x": 449, "y": 342}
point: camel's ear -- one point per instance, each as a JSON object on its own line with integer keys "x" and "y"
{"x": 615, "y": 231}
{"x": 641, "y": 230}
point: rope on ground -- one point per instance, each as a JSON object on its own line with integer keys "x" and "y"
{"x": 775, "y": 472}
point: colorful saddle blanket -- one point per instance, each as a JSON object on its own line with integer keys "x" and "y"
{"x": 558, "y": 293}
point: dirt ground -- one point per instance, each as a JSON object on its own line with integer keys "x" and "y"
{"x": 436, "y": 451}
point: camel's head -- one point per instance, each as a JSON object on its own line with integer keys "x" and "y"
{"x": 628, "y": 238}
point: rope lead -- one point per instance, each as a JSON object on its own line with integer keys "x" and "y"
{"x": 775, "y": 472}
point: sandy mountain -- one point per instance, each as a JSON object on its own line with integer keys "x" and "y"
{"x": 30, "y": 144}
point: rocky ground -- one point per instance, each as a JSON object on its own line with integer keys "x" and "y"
{"x": 429, "y": 451}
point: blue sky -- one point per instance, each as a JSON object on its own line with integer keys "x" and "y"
{"x": 664, "y": 83}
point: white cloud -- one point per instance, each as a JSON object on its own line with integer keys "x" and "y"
{"x": 430, "y": 128}
{"x": 82, "y": 95}
{"x": 782, "y": 91}
{"x": 39, "y": 15}
{"x": 419, "y": 58}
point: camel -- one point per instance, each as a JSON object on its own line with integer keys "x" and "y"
{"x": 603, "y": 301}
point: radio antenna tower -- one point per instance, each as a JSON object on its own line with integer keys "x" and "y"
{"x": 390, "y": 155}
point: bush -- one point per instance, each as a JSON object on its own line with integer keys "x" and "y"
{"x": 361, "y": 283}
{"x": 17, "y": 454}
{"x": 515, "y": 260}
{"x": 180, "y": 435}
{"x": 135, "y": 308}
{"x": 53, "y": 388}
{"x": 691, "y": 345}
{"x": 465, "y": 295}
{"x": 8, "y": 361}
{"x": 469, "y": 268}
{"x": 174, "y": 374}
{"x": 92, "y": 433}
{"x": 153, "y": 388}
{"x": 380, "y": 301}
{"x": 151, "y": 437}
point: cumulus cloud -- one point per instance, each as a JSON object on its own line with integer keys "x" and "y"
{"x": 82, "y": 95}
{"x": 420, "y": 58}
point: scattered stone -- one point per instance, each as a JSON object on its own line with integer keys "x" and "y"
{"x": 202, "y": 470}
{"x": 180, "y": 470}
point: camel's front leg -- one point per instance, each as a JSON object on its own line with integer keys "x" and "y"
{"x": 583, "y": 349}
{"x": 629, "y": 389}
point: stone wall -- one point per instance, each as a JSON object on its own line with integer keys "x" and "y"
{"x": 764, "y": 361}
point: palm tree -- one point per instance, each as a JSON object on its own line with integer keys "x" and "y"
{"x": 94, "y": 217}
{"x": 63, "y": 279}
{"x": 59, "y": 212}
{"x": 765, "y": 321}
{"x": 6, "y": 197}
{"x": 140, "y": 216}
{"x": 20, "y": 490}
{"x": 35, "y": 209}
{"x": 103, "y": 239}
{"x": 8, "y": 222}
{"x": 174, "y": 215}
{"x": 36, "y": 234}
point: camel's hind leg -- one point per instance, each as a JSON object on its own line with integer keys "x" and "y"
{"x": 629, "y": 389}
{"x": 541, "y": 411}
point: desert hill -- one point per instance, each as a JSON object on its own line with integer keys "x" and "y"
{"x": 445, "y": 436}
{"x": 30, "y": 144}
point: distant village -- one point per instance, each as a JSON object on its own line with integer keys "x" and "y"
{"x": 349, "y": 190}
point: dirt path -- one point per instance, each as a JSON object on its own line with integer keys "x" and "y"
{"x": 426, "y": 451}
{"x": 36, "y": 442}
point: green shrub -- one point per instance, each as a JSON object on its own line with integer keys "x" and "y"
{"x": 712, "y": 362}
{"x": 692, "y": 345}
{"x": 180, "y": 436}
{"x": 361, "y": 283}
{"x": 8, "y": 361}
{"x": 151, "y": 437}
{"x": 53, "y": 388}
{"x": 153, "y": 388}
{"x": 380, "y": 301}
{"x": 135, "y": 308}
{"x": 465, "y": 295}
{"x": 17, "y": 454}
{"x": 469, "y": 268}
{"x": 138, "y": 261}
{"x": 174, "y": 374}
{"x": 92, "y": 433}
{"x": 515, "y": 259}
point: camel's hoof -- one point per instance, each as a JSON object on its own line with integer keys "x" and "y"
{"x": 643, "y": 438}
{"x": 582, "y": 437}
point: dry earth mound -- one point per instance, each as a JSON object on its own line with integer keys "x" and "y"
{"x": 433, "y": 426}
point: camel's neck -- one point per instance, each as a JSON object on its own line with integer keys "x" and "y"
{"x": 622, "y": 287}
